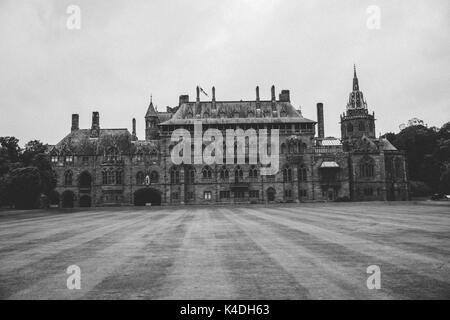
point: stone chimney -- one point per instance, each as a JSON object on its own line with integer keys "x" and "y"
{"x": 285, "y": 96}
{"x": 272, "y": 90}
{"x": 320, "y": 123}
{"x": 183, "y": 99}
{"x": 134, "y": 137}
{"x": 95, "y": 128}
{"x": 75, "y": 122}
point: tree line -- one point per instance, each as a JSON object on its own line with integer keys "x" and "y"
{"x": 428, "y": 157}
{"x": 26, "y": 175}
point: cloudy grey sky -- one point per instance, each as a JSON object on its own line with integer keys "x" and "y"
{"x": 126, "y": 50}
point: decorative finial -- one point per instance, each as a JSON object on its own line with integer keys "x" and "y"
{"x": 354, "y": 70}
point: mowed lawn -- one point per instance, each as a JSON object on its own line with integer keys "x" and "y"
{"x": 301, "y": 251}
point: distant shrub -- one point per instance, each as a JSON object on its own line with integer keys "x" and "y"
{"x": 419, "y": 189}
{"x": 342, "y": 199}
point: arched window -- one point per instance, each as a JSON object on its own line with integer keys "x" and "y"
{"x": 366, "y": 167}
{"x": 140, "y": 178}
{"x": 112, "y": 155}
{"x": 224, "y": 173}
{"x": 302, "y": 173}
{"x": 140, "y": 157}
{"x": 238, "y": 173}
{"x": 207, "y": 172}
{"x": 361, "y": 126}
{"x": 153, "y": 154}
{"x": 154, "y": 177}
{"x": 398, "y": 164}
{"x": 174, "y": 175}
{"x": 68, "y": 175}
{"x": 104, "y": 177}
{"x": 287, "y": 174}
{"x": 253, "y": 172}
{"x": 85, "y": 180}
{"x": 189, "y": 174}
{"x": 111, "y": 176}
{"x": 283, "y": 148}
{"x": 349, "y": 128}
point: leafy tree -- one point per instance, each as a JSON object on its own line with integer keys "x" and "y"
{"x": 11, "y": 144}
{"x": 25, "y": 187}
{"x": 32, "y": 148}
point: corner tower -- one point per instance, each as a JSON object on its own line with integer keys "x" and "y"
{"x": 151, "y": 123}
{"x": 356, "y": 121}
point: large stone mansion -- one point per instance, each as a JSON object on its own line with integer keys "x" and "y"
{"x": 99, "y": 167}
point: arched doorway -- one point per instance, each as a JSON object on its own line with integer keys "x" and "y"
{"x": 271, "y": 194}
{"x": 53, "y": 198}
{"x": 85, "y": 201}
{"x": 85, "y": 180}
{"x": 68, "y": 198}
{"x": 147, "y": 195}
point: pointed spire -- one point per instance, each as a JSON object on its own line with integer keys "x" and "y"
{"x": 151, "y": 112}
{"x": 355, "y": 79}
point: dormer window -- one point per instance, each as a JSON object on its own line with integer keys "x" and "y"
{"x": 69, "y": 159}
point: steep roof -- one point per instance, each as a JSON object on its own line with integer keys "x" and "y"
{"x": 384, "y": 144}
{"x": 79, "y": 142}
{"x": 151, "y": 112}
{"x": 224, "y": 112}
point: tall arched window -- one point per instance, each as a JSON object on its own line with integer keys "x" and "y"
{"x": 253, "y": 172}
{"x": 140, "y": 178}
{"x": 207, "y": 172}
{"x": 68, "y": 177}
{"x": 154, "y": 177}
{"x": 104, "y": 177}
{"x": 283, "y": 148}
{"x": 366, "y": 167}
{"x": 118, "y": 177}
{"x": 287, "y": 174}
{"x": 174, "y": 175}
{"x": 302, "y": 173}
{"x": 224, "y": 173}
{"x": 398, "y": 164}
{"x": 238, "y": 173}
{"x": 189, "y": 174}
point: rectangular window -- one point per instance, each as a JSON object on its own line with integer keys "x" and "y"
{"x": 207, "y": 195}
{"x": 239, "y": 194}
{"x": 175, "y": 196}
{"x": 303, "y": 193}
{"x": 85, "y": 160}
{"x": 253, "y": 193}
{"x": 224, "y": 194}
{"x": 54, "y": 159}
{"x": 69, "y": 159}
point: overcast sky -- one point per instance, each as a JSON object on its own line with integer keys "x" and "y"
{"x": 127, "y": 50}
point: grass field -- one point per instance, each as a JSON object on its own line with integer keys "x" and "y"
{"x": 312, "y": 251}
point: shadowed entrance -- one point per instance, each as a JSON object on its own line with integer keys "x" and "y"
{"x": 147, "y": 195}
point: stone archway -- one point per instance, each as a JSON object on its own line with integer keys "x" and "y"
{"x": 85, "y": 201}
{"x": 271, "y": 194}
{"x": 68, "y": 198}
{"x": 147, "y": 195}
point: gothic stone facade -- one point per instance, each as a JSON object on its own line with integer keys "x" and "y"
{"x": 100, "y": 167}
